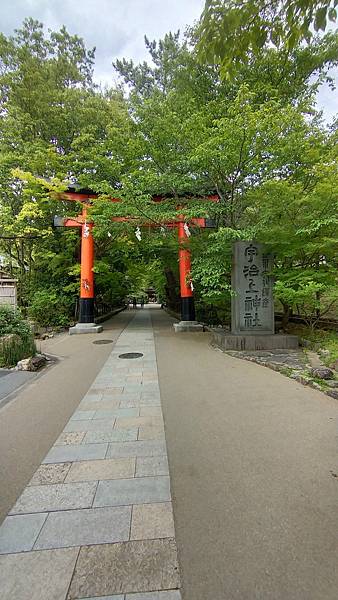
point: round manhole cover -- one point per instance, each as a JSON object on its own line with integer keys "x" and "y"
{"x": 103, "y": 342}
{"x": 131, "y": 355}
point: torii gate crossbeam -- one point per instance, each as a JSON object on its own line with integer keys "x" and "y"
{"x": 86, "y": 322}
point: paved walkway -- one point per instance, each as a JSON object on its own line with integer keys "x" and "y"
{"x": 35, "y": 415}
{"x": 96, "y": 518}
{"x": 253, "y": 465}
{"x": 11, "y": 381}
{"x": 253, "y": 474}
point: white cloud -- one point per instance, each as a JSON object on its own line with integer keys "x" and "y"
{"x": 327, "y": 98}
{"x": 117, "y": 28}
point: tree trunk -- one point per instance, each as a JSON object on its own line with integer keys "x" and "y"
{"x": 171, "y": 290}
{"x": 286, "y": 315}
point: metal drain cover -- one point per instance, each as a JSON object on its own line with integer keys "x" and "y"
{"x": 131, "y": 355}
{"x": 103, "y": 342}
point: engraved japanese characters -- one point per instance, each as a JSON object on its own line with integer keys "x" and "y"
{"x": 252, "y": 309}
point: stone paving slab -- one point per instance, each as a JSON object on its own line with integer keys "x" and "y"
{"x": 118, "y": 412}
{"x": 150, "y": 400}
{"x": 150, "y": 411}
{"x": 77, "y": 452}
{"x": 82, "y": 415}
{"x": 93, "y": 470}
{"x": 130, "y": 401}
{"x": 139, "y": 490}
{"x": 108, "y": 390}
{"x": 43, "y": 575}
{"x": 151, "y": 432}
{"x": 84, "y": 527}
{"x": 167, "y": 595}
{"x": 116, "y": 435}
{"x": 150, "y": 521}
{"x": 121, "y": 568}
{"x": 90, "y": 425}
{"x": 46, "y": 498}
{"x": 164, "y": 595}
{"x": 151, "y": 466}
{"x": 119, "y": 597}
{"x": 122, "y": 422}
{"x": 18, "y": 533}
{"x": 103, "y": 404}
{"x": 96, "y": 520}
{"x": 141, "y": 448}
{"x": 49, "y": 474}
{"x": 72, "y": 438}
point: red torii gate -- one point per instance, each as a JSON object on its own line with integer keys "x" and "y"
{"x": 86, "y": 323}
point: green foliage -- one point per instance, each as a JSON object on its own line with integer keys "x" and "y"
{"x": 252, "y": 141}
{"x": 230, "y": 30}
{"x": 329, "y": 341}
{"x": 255, "y": 142}
{"x": 50, "y": 307}
{"x": 320, "y": 339}
{"x": 12, "y": 321}
{"x": 217, "y": 313}
{"x": 16, "y": 349}
{"x": 311, "y": 299}
{"x": 21, "y": 344}
{"x": 143, "y": 275}
{"x": 297, "y": 218}
{"x": 51, "y": 118}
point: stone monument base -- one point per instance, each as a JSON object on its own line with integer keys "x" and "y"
{"x": 187, "y": 326}
{"x": 230, "y": 341}
{"x": 85, "y": 328}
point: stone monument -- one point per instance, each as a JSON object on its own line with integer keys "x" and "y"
{"x": 252, "y": 307}
{"x": 252, "y": 303}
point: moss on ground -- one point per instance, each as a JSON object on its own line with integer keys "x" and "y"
{"x": 319, "y": 339}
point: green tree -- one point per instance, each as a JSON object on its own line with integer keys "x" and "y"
{"x": 238, "y": 139}
{"x": 51, "y": 118}
{"x": 231, "y": 30}
{"x": 183, "y": 132}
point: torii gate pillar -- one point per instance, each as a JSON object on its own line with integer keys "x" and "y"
{"x": 86, "y": 322}
{"x": 188, "y": 322}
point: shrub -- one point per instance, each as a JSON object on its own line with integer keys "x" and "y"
{"x": 48, "y": 307}
{"x": 12, "y": 321}
{"x": 15, "y": 348}
{"x": 17, "y": 342}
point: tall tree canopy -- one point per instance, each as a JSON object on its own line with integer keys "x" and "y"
{"x": 229, "y": 30}
{"x": 254, "y": 141}
{"x": 257, "y": 141}
{"x": 52, "y": 117}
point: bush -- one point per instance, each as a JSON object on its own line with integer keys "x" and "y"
{"x": 12, "y": 321}
{"x": 309, "y": 298}
{"x": 17, "y": 341}
{"x": 48, "y": 307}
{"x": 15, "y": 348}
{"x": 218, "y": 313}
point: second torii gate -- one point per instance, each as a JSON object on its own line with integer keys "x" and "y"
{"x": 86, "y": 322}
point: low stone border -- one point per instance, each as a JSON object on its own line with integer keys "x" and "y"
{"x": 301, "y": 375}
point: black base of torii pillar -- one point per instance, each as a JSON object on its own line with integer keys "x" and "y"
{"x": 188, "y": 309}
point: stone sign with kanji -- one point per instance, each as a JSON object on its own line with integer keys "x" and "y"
{"x": 252, "y": 307}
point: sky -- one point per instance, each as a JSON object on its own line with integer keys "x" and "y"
{"x": 117, "y": 28}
